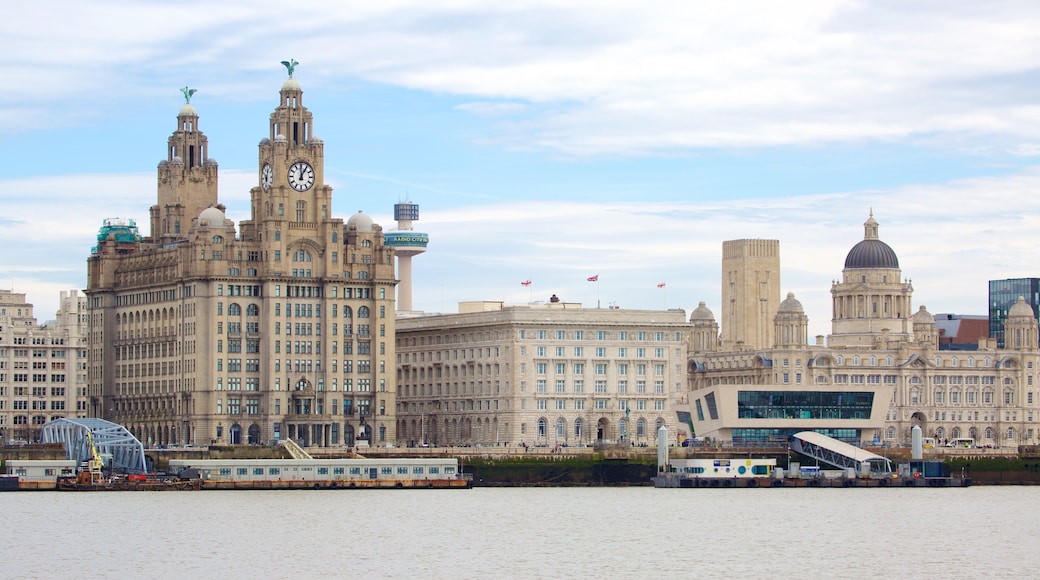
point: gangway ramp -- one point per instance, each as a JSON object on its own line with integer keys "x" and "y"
{"x": 838, "y": 453}
{"x": 294, "y": 449}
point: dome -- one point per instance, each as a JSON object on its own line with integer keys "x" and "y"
{"x": 176, "y": 161}
{"x": 316, "y": 140}
{"x": 279, "y": 138}
{"x": 163, "y": 163}
{"x": 291, "y": 84}
{"x": 360, "y": 222}
{"x": 791, "y": 304}
{"x": 265, "y": 141}
{"x": 871, "y": 252}
{"x": 1020, "y": 308}
{"x": 702, "y": 313}
{"x": 923, "y": 316}
{"x": 211, "y": 162}
{"x": 211, "y": 216}
{"x": 187, "y": 111}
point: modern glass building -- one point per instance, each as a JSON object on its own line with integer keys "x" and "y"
{"x": 1002, "y": 296}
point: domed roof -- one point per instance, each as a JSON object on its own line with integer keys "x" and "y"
{"x": 922, "y": 316}
{"x": 791, "y": 304}
{"x": 291, "y": 84}
{"x": 187, "y": 111}
{"x": 1020, "y": 308}
{"x": 212, "y": 161}
{"x": 176, "y": 161}
{"x": 871, "y": 252}
{"x": 360, "y": 222}
{"x": 212, "y": 217}
{"x": 702, "y": 313}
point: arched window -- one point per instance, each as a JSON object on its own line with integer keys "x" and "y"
{"x": 301, "y": 256}
{"x": 217, "y": 240}
{"x": 252, "y": 310}
{"x": 541, "y": 427}
{"x": 1011, "y": 433}
{"x": 840, "y": 360}
{"x": 954, "y": 361}
{"x": 641, "y": 428}
{"x": 873, "y": 361}
{"x": 890, "y": 433}
{"x": 579, "y": 428}
{"x": 561, "y": 428}
{"x": 362, "y": 312}
{"x": 940, "y": 433}
{"x": 366, "y": 243}
{"x": 989, "y": 432}
{"x": 347, "y": 312}
{"x": 234, "y": 309}
{"x": 855, "y": 360}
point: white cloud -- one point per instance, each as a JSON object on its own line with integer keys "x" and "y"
{"x": 950, "y": 239}
{"x": 588, "y": 78}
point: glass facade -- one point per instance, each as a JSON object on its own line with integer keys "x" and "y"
{"x": 747, "y": 436}
{"x": 804, "y": 404}
{"x": 1003, "y": 294}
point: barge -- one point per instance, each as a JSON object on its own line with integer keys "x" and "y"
{"x": 369, "y": 473}
{"x": 854, "y": 467}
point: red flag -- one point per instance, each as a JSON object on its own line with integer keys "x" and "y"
{"x": 661, "y": 285}
{"x": 593, "y": 278}
{"x": 525, "y": 283}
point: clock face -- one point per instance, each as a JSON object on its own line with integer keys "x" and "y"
{"x": 301, "y": 176}
{"x": 267, "y": 177}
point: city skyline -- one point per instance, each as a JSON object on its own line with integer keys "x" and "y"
{"x": 554, "y": 142}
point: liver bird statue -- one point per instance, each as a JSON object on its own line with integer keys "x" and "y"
{"x": 290, "y": 65}
{"x": 188, "y": 93}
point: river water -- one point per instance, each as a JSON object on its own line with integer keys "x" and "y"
{"x": 637, "y": 532}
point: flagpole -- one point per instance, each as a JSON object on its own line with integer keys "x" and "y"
{"x": 597, "y": 291}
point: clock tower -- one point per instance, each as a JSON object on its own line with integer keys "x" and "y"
{"x": 291, "y": 173}
{"x": 187, "y": 178}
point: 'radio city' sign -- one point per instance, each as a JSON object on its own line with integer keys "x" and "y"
{"x": 406, "y": 239}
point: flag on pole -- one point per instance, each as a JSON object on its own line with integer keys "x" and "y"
{"x": 660, "y": 284}
{"x": 525, "y": 283}
{"x": 593, "y": 278}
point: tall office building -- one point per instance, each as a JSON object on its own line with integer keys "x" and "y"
{"x": 1003, "y": 294}
{"x": 282, "y": 327}
{"x": 750, "y": 292}
{"x": 43, "y": 367}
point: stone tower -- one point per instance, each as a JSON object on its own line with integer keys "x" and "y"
{"x": 187, "y": 178}
{"x": 871, "y": 300}
{"x": 750, "y": 292}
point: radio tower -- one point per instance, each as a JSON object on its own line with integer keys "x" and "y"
{"x": 406, "y": 244}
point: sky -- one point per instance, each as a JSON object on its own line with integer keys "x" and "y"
{"x": 553, "y": 140}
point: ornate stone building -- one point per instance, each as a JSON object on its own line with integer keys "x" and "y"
{"x": 542, "y": 374}
{"x": 281, "y": 328}
{"x": 879, "y": 373}
{"x": 43, "y": 367}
